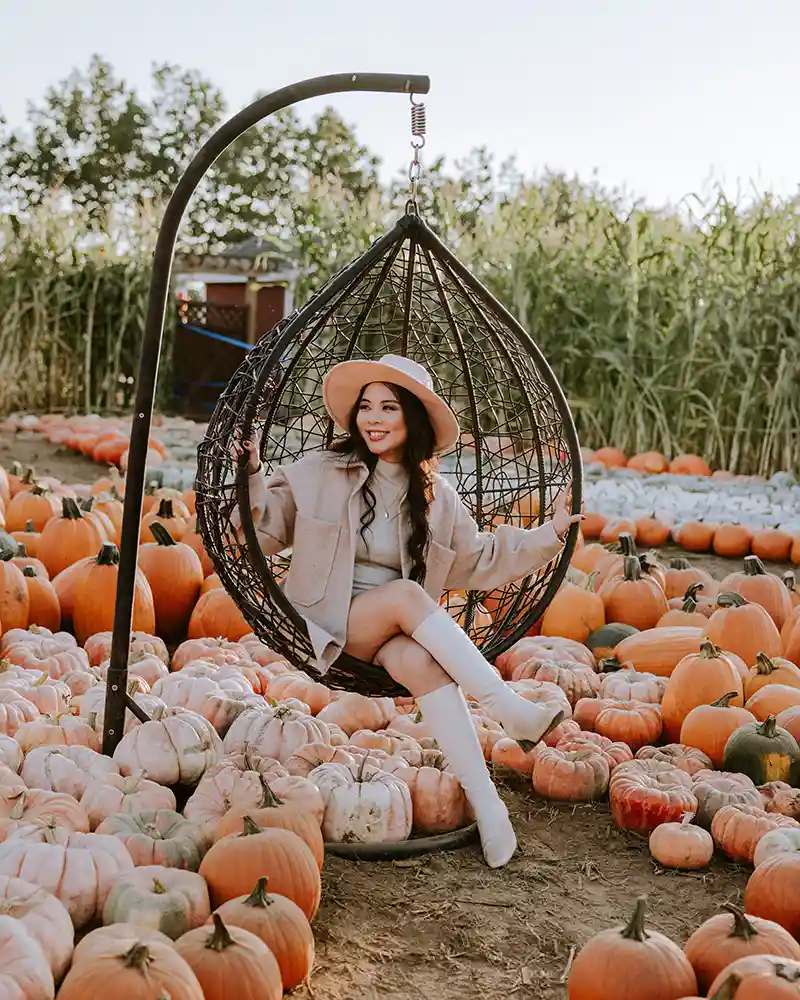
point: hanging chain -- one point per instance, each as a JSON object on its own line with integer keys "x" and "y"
{"x": 418, "y": 130}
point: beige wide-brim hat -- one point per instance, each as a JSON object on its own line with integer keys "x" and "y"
{"x": 343, "y": 384}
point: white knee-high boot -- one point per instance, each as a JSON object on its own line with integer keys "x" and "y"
{"x": 448, "y": 716}
{"x": 455, "y": 652}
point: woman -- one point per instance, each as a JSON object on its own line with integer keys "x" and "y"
{"x": 377, "y": 536}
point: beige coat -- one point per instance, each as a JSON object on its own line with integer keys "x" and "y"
{"x": 313, "y": 505}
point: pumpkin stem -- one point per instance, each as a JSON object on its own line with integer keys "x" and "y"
{"x": 28, "y": 476}
{"x": 220, "y": 939}
{"x": 768, "y": 727}
{"x": 249, "y": 827}
{"x": 21, "y": 550}
{"x": 708, "y": 651}
{"x": 730, "y": 599}
{"x": 690, "y": 597}
{"x": 158, "y": 887}
{"x": 724, "y": 701}
{"x": 753, "y": 566}
{"x": 165, "y": 508}
{"x": 627, "y": 545}
{"x": 259, "y": 896}
{"x": 680, "y": 563}
{"x": 742, "y": 928}
{"x": 764, "y": 665}
{"x": 28, "y": 571}
{"x": 30, "y": 527}
{"x": 115, "y": 494}
{"x": 138, "y": 957}
{"x": 789, "y": 581}
{"x": 108, "y": 555}
{"x": 632, "y": 569}
{"x": 161, "y": 533}
{"x": 87, "y": 504}
{"x": 728, "y": 989}
{"x": 269, "y": 800}
{"x": 70, "y": 510}
{"x": 785, "y": 972}
{"x": 635, "y": 930}
{"x": 19, "y": 807}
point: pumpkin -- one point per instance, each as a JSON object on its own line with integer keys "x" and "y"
{"x": 763, "y": 752}
{"x": 737, "y": 829}
{"x": 681, "y": 575}
{"x": 682, "y": 845}
{"x": 239, "y": 860}
{"x": 174, "y": 750}
{"x": 56, "y": 730}
{"x": 633, "y": 722}
{"x": 280, "y": 924}
{"x": 65, "y": 769}
{"x": 508, "y": 753}
{"x": 98, "y": 647}
{"x": 614, "y": 753}
{"x": 685, "y": 758}
{"x": 631, "y": 955}
{"x": 545, "y": 648}
{"x": 695, "y": 536}
{"x": 771, "y": 671}
{"x": 25, "y": 972}
{"x": 732, "y": 540}
{"x": 743, "y": 628}
{"x": 66, "y": 539}
{"x": 95, "y": 595}
{"x": 46, "y": 656}
{"x": 613, "y": 530}
{"x": 217, "y": 614}
{"x": 274, "y": 734}
{"x": 78, "y": 868}
{"x": 438, "y": 802}
{"x": 631, "y": 685}
{"x": 14, "y": 597}
{"x": 773, "y": 890}
{"x": 574, "y": 680}
{"x": 575, "y": 612}
{"x": 732, "y": 935}
{"x": 147, "y": 968}
{"x": 689, "y": 465}
{"x": 230, "y": 962}
{"x": 113, "y": 794}
{"x": 604, "y": 640}
{"x": 570, "y": 775}
{"x": 643, "y": 798}
{"x": 272, "y": 812}
{"x": 159, "y": 837}
{"x": 652, "y": 532}
{"x": 659, "y": 650}
{"x": 758, "y": 977}
{"x": 698, "y": 679}
{"x": 43, "y": 917}
{"x": 233, "y": 783}
{"x": 771, "y": 544}
{"x": 652, "y": 463}
{"x": 162, "y": 898}
{"x": 708, "y": 727}
{"x": 716, "y": 789}
{"x": 303, "y": 761}
{"x": 43, "y": 606}
{"x": 756, "y": 585}
{"x": 688, "y": 611}
{"x": 790, "y": 582}
{"x": 612, "y": 458}
{"x": 10, "y": 753}
{"x": 364, "y": 804}
{"x": 633, "y": 598}
{"x": 781, "y": 840}
{"x": 175, "y": 576}
{"x": 299, "y": 685}
{"x": 788, "y": 719}
{"x": 772, "y": 699}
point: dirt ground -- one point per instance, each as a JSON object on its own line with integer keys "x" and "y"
{"x": 445, "y": 926}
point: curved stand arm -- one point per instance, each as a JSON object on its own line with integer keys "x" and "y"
{"x": 390, "y": 83}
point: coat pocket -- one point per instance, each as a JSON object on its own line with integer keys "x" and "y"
{"x": 438, "y": 564}
{"x": 313, "y": 554}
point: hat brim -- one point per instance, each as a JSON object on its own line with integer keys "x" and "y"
{"x": 342, "y": 386}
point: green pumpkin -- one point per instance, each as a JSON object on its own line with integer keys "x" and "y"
{"x": 764, "y": 752}
{"x": 605, "y": 639}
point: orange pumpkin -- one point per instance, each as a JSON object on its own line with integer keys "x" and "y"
{"x": 35, "y": 506}
{"x": 737, "y": 829}
{"x": 689, "y": 465}
{"x": 43, "y": 606}
{"x": 770, "y": 671}
{"x": 790, "y": 582}
{"x": 66, "y": 539}
{"x": 216, "y": 614}
{"x": 732, "y": 540}
{"x": 696, "y": 536}
{"x": 612, "y": 458}
{"x": 632, "y": 598}
{"x": 773, "y": 891}
{"x": 772, "y": 699}
{"x": 636, "y": 723}
{"x": 570, "y": 775}
{"x": 688, "y": 613}
{"x": 614, "y": 529}
{"x": 29, "y": 538}
{"x": 175, "y": 575}
{"x": 699, "y": 679}
{"x": 652, "y": 532}
{"x": 758, "y": 977}
{"x": 591, "y": 527}
{"x": 789, "y": 719}
{"x": 772, "y": 544}
{"x": 643, "y": 794}
{"x": 680, "y": 575}
{"x": 95, "y": 596}
{"x": 111, "y": 506}
{"x": 575, "y": 612}
{"x": 708, "y": 727}
{"x": 630, "y": 955}
{"x": 760, "y": 587}
{"x": 14, "y": 599}
{"x": 743, "y": 628}
{"x": 790, "y": 637}
{"x": 173, "y": 514}
{"x": 659, "y": 650}
{"x": 650, "y": 462}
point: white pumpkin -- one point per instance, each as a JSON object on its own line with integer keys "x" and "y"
{"x": 65, "y": 769}
{"x": 633, "y": 685}
{"x": 355, "y": 711}
{"x": 175, "y": 750}
{"x": 77, "y": 868}
{"x": 274, "y": 733}
{"x": 44, "y": 917}
{"x": 783, "y": 840}
{"x": 114, "y": 793}
{"x": 10, "y": 752}
{"x": 363, "y": 804}
{"x": 24, "y": 972}
{"x": 221, "y": 706}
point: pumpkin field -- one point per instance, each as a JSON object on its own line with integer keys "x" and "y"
{"x": 658, "y": 825}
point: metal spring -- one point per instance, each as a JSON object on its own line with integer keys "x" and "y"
{"x": 418, "y": 120}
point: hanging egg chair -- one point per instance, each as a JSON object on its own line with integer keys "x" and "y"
{"x": 407, "y": 295}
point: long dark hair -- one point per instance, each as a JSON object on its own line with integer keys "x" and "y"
{"x": 417, "y": 455}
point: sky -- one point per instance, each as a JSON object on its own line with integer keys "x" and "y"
{"x": 658, "y": 98}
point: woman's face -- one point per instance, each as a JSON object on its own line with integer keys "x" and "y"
{"x": 381, "y": 422}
